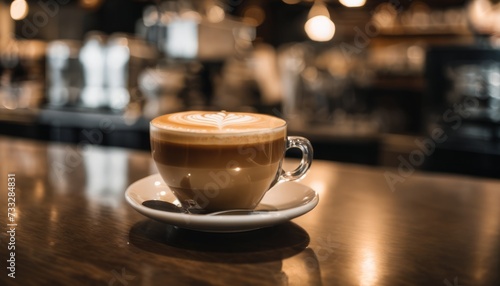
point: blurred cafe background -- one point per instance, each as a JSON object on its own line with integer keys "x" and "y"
{"x": 396, "y": 83}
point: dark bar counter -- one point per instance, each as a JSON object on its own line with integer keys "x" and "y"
{"x": 129, "y": 130}
{"x": 372, "y": 226}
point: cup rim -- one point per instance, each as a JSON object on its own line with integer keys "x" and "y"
{"x": 216, "y": 133}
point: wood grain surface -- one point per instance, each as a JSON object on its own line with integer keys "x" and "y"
{"x": 74, "y": 227}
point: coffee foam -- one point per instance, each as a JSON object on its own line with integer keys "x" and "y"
{"x": 208, "y": 127}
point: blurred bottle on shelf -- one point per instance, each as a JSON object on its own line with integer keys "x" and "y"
{"x": 63, "y": 72}
{"x": 21, "y": 74}
{"x": 100, "y": 73}
{"x": 92, "y": 59}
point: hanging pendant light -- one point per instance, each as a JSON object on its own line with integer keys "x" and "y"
{"x": 18, "y": 9}
{"x": 353, "y": 3}
{"x": 319, "y": 27}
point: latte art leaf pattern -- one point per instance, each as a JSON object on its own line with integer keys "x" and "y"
{"x": 218, "y": 120}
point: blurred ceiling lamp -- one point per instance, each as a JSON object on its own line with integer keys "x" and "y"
{"x": 319, "y": 27}
{"x": 18, "y": 9}
{"x": 150, "y": 16}
{"x": 215, "y": 14}
{"x": 353, "y": 3}
{"x": 187, "y": 11}
{"x": 483, "y": 16}
{"x": 291, "y": 2}
{"x": 254, "y": 15}
{"x": 90, "y": 4}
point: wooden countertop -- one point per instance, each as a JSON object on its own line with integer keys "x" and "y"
{"x": 74, "y": 227}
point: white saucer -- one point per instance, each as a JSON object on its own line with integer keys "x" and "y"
{"x": 286, "y": 200}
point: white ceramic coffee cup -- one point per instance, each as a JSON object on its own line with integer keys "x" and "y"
{"x": 223, "y": 160}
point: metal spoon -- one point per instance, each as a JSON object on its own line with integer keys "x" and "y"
{"x": 169, "y": 207}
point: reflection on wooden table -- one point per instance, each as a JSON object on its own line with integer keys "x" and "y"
{"x": 74, "y": 227}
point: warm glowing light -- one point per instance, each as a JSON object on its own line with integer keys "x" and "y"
{"x": 39, "y": 190}
{"x": 54, "y": 214}
{"x": 150, "y": 16}
{"x": 368, "y": 273}
{"x": 320, "y": 28}
{"x": 353, "y": 3}
{"x": 415, "y": 53}
{"x": 190, "y": 15}
{"x": 291, "y": 2}
{"x": 254, "y": 15}
{"x": 18, "y": 9}
{"x": 90, "y": 4}
{"x": 215, "y": 14}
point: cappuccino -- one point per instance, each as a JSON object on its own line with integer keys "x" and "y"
{"x": 218, "y": 160}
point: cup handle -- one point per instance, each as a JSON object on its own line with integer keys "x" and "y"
{"x": 307, "y": 155}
